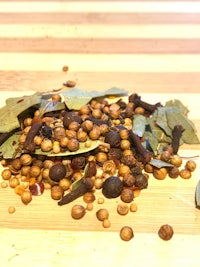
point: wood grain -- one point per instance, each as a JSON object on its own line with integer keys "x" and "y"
{"x": 148, "y": 47}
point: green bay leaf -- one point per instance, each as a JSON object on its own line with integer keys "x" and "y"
{"x": 159, "y": 163}
{"x": 9, "y": 148}
{"x": 174, "y": 117}
{"x": 139, "y": 124}
{"x": 76, "y": 97}
{"x": 14, "y": 106}
{"x": 82, "y": 149}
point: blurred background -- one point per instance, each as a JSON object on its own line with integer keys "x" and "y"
{"x": 142, "y": 46}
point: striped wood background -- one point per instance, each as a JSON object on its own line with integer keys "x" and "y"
{"x": 143, "y": 46}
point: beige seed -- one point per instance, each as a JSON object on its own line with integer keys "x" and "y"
{"x": 11, "y": 209}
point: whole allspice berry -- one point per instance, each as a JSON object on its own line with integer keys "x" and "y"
{"x": 112, "y": 187}
{"x": 57, "y": 172}
{"x": 166, "y": 232}
{"x": 126, "y": 233}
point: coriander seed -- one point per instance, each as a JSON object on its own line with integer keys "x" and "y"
{"x": 166, "y": 232}
{"x": 102, "y": 214}
{"x": 77, "y": 212}
{"x": 126, "y": 233}
{"x": 106, "y": 223}
{"x": 11, "y": 209}
{"x": 122, "y": 209}
{"x": 185, "y": 174}
{"x": 190, "y": 165}
{"x": 133, "y": 207}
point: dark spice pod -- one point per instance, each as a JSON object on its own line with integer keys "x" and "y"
{"x": 113, "y": 138}
{"x": 69, "y": 117}
{"x": 112, "y": 187}
{"x": 85, "y": 186}
{"x": 46, "y": 131}
{"x": 78, "y": 163}
{"x": 99, "y": 121}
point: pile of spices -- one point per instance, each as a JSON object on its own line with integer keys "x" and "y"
{"x": 101, "y": 145}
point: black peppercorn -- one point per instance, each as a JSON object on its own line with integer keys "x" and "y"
{"x": 112, "y": 187}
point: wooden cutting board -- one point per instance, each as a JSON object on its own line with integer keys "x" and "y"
{"x": 164, "y": 201}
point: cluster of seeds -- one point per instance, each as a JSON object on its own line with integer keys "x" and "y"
{"x": 120, "y": 165}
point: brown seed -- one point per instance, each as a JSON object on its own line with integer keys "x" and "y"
{"x": 102, "y": 214}
{"x": 100, "y": 200}
{"x": 26, "y": 197}
{"x": 160, "y": 173}
{"x": 122, "y": 208}
{"x": 6, "y": 174}
{"x": 4, "y": 184}
{"x": 133, "y": 207}
{"x": 11, "y": 209}
{"x": 127, "y": 195}
{"x": 77, "y": 212}
{"x": 70, "y": 83}
{"x": 56, "y": 192}
{"x": 106, "y": 223}
{"x": 185, "y": 174}
{"x": 65, "y": 68}
{"x": 89, "y": 197}
{"x": 190, "y": 165}
{"x": 126, "y": 233}
{"x": 89, "y": 206}
{"x": 166, "y": 232}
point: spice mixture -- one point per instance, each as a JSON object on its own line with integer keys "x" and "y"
{"x": 104, "y": 145}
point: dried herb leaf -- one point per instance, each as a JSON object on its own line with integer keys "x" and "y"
{"x": 14, "y": 106}
{"x": 159, "y": 163}
{"x": 177, "y": 104}
{"x": 76, "y": 98}
{"x": 82, "y": 149}
{"x": 197, "y": 195}
{"x": 139, "y": 125}
{"x": 48, "y": 106}
{"x": 9, "y": 148}
{"x": 76, "y": 184}
{"x": 161, "y": 120}
{"x": 174, "y": 118}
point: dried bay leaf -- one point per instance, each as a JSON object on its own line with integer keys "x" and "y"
{"x": 174, "y": 118}
{"x": 48, "y": 106}
{"x": 82, "y": 149}
{"x": 76, "y": 98}
{"x": 177, "y": 104}
{"x": 160, "y": 164}
{"x": 9, "y": 148}
{"x": 156, "y": 137}
{"x": 161, "y": 120}
{"x": 14, "y": 106}
{"x": 139, "y": 124}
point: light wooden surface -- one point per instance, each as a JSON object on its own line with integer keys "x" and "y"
{"x": 143, "y": 46}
